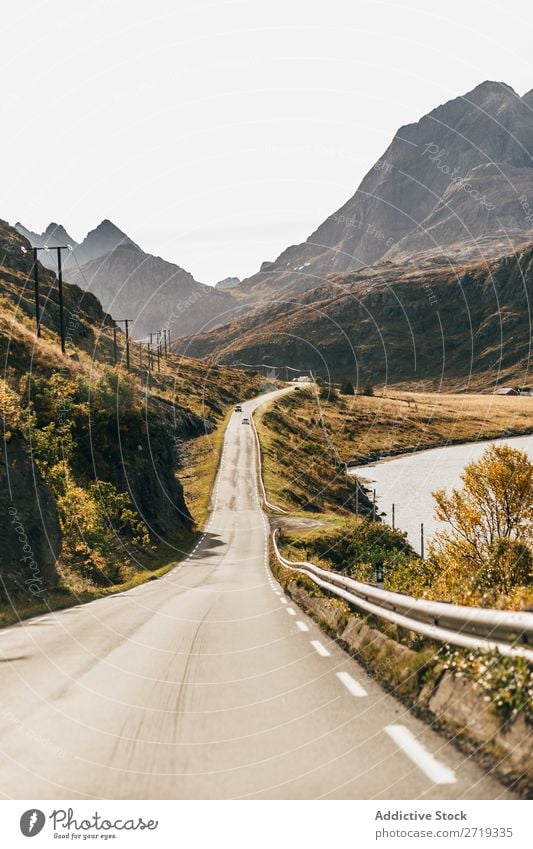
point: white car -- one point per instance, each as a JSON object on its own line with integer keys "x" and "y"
{"x": 245, "y": 420}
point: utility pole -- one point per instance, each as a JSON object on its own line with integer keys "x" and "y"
{"x": 165, "y": 339}
{"x": 126, "y": 322}
{"x": 60, "y": 248}
{"x": 115, "y": 343}
{"x": 36, "y": 288}
{"x": 393, "y": 517}
{"x": 59, "y": 277}
{"x": 422, "y": 540}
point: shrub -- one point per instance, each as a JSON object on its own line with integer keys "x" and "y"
{"x": 357, "y": 547}
{"x": 347, "y": 388}
{"x": 488, "y": 544}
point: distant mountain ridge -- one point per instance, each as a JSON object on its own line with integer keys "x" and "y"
{"x": 105, "y": 238}
{"x": 132, "y": 284}
{"x": 227, "y": 283}
{"x": 461, "y": 173}
{"x": 432, "y": 325}
{"x": 153, "y": 293}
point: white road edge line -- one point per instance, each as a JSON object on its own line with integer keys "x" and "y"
{"x": 319, "y": 648}
{"x": 437, "y": 772}
{"x": 353, "y": 686}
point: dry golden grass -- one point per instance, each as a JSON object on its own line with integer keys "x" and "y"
{"x": 402, "y": 421}
{"x": 202, "y": 457}
{"x": 306, "y": 440}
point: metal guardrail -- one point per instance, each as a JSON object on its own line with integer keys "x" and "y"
{"x": 509, "y": 632}
{"x": 266, "y": 502}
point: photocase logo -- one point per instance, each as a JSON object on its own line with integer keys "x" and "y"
{"x": 32, "y": 822}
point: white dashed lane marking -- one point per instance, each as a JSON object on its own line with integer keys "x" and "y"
{"x": 319, "y": 648}
{"x": 290, "y": 611}
{"x": 437, "y": 772}
{"x": 353, "y": 686}
{"x": 302, "y": 626}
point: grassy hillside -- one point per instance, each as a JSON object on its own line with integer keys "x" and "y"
{"x": 308, "y": 436}
{"x": 433, "y": 325}
{"x": 98, "y": 461}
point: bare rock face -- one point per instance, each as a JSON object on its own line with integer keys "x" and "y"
{"x": 462, "y": 172}
{"x": 153, "y": 293}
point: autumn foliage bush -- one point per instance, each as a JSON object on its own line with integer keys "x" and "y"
{"x": 485, "y": 552}
{"x": 94, "y": 517}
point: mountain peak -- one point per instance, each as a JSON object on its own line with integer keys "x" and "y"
{"x": 491, "y": 87}
{"x": 109, "y": 228}
{"x": 450, "y": 178}
{"x": 54, "y": 235}
{"x": 104, "y": 238}
{"x": 58, "y": 233}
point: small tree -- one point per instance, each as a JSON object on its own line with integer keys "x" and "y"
{"x": 368, "y": 389}
{"x": 347, "y": 387}
{"x": 491, "y": 520}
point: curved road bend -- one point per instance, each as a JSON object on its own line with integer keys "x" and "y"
{"x": 209, "y": 683}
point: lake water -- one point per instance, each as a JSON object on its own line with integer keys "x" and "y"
{"x": 408, "y": 481}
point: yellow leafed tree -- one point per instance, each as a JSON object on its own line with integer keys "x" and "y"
{"x": 488, "y": 547}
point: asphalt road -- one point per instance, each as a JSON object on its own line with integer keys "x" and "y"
{"x": 210, "y": 683}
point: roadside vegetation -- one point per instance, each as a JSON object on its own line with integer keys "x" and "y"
{"x": 484, "y": 559}
{"x": 100, "y": 481}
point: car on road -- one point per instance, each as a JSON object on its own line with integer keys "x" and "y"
{"x": 245, "y": 420}
{"x": 238, "y": 408}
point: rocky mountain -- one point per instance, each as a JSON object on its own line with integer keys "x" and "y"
{"x": 429, "y": 323}
{"x": 153, "y": 293}
{"x": 227, "y": 283}
{"x": 132, "y": 284}
{"x": 102, "y": 240}
{"x": 461, "y": 173}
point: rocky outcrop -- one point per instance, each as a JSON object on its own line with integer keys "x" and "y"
{"x": 462, "y": 173}
{"x": 30, "y": 538}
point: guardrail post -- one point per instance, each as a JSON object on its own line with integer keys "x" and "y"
{"x": 374, "y": 505}
{"x": 422, "y": 540}
{"x": 393, "y": 518}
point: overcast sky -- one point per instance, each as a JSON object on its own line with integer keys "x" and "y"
{"x": 217, "y": 133}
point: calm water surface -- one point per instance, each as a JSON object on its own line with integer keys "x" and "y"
{"x": 408, "y": 481}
